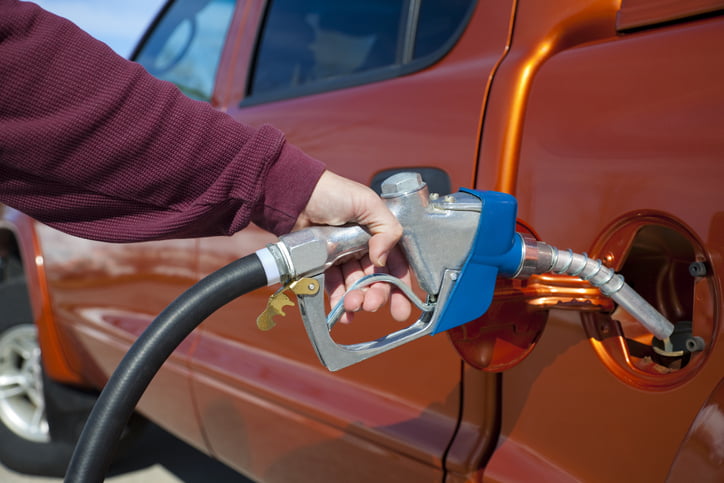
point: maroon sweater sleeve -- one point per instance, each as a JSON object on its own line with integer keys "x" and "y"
{"x": 93, "y": 145}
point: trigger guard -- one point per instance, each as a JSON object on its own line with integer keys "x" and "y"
{"x": 336, "y": 356}
{"x": 367, "y": 280}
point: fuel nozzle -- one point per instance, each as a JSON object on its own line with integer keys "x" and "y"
{"x": 539, "y": 257}
{"x": 457, "y": 246}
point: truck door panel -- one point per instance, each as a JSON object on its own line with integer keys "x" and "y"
{"x": 391, "y": 417}
{"x": 621, "y": 133}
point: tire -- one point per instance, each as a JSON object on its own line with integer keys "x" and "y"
{"x": 40, "y": 419}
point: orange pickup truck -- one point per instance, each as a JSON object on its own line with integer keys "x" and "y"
{"x": 604, "y": 118}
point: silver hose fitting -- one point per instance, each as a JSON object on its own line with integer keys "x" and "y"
{"x": 545, "y": 258}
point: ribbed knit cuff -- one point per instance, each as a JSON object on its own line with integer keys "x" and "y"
{"x": 288, "y": 186}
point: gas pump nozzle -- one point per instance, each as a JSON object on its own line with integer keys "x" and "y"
{"x": 456, "y": 245}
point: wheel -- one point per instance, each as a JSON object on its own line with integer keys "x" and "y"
{"x": 25, "y": 442}
{"x": 40, "y": 419}
{"x": 22, "y": 406}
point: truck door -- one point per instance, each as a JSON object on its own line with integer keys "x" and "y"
{"x": 365, "y": 86}
{"x": 615, "y": 151}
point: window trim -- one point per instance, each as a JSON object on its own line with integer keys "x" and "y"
{"x": 404, "y": 66}
{"x": 141, "y": 44}
{"x": 410, "y": 33}
{"x": 153, "y": 28}
{"x": 640, "y": 14}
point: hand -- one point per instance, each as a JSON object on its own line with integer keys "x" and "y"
{"x": 336, "y": 201}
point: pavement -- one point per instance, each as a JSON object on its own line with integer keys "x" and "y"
{"x": 156, "y": 457}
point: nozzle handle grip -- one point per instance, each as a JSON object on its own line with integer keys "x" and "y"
{"x": 313, "y": 250}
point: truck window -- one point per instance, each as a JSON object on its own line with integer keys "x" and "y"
{"x": 184, "y": 46}
{"x": 327, "y": 43}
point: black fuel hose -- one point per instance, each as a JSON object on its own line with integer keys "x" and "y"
{"x": 117, "y": 401}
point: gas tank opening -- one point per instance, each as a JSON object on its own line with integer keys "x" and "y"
{"x": 664, "y": 262}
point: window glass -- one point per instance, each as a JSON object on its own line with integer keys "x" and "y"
{"x": 438, "y": 22}
{"x": 185, "y": 45}
{"x": 307, "y": 41}
{"x": 311, "y": 40}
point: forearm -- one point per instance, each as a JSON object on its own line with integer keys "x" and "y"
{"x": 94, "y": 145}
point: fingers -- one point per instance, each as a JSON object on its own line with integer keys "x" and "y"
{"x": 400, "y": 305}
{"x": 386, "y": 230}
{"x": 334, "y": 284}
{"x": 375, "y": 296}
{"x": 339, "y": 279}
{"x": 380, "y": 246}
{"x": 370, "y": 298}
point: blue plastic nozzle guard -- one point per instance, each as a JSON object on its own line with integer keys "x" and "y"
{"x": 497, "y": 248}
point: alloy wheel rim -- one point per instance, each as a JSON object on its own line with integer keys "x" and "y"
{"x": 22, "y": 405}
